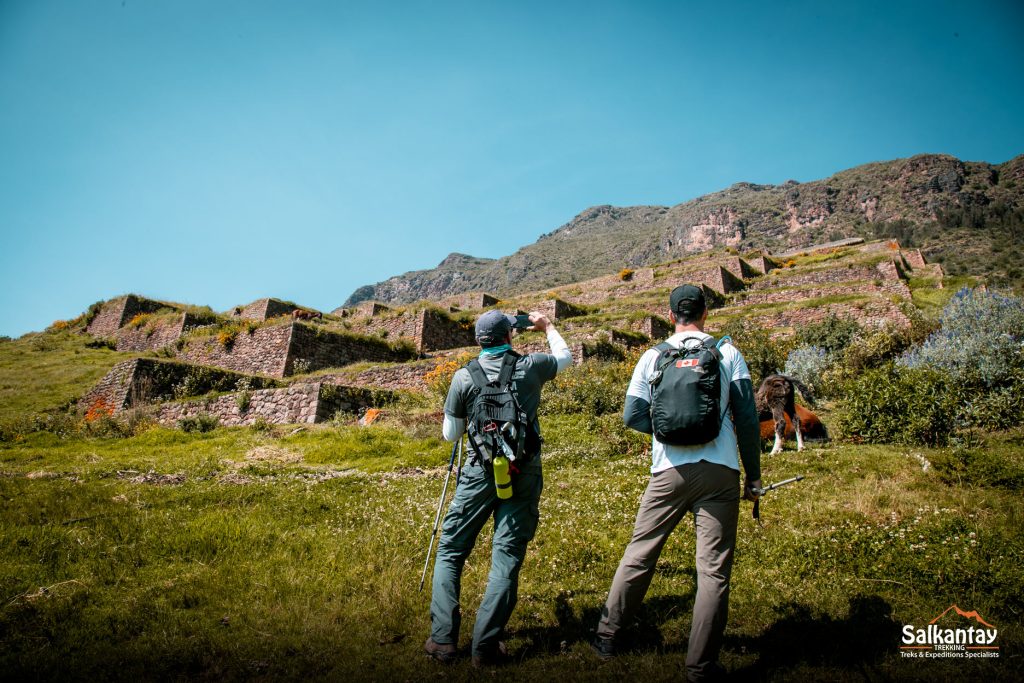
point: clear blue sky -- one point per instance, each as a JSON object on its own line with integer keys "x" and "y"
{"x": 215, "y": 152}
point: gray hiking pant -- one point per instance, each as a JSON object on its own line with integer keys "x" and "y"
{"x": 515, "y": 523}
{"x": 712, "y": 493}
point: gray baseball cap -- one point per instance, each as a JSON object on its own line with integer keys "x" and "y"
{"x": 492, "y": 328}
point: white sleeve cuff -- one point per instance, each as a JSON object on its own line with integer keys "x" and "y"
{"x": 559, "y": 349}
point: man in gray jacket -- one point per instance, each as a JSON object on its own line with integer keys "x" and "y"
{"x": 702, "y": 479}
{"x": 476, "y": 499}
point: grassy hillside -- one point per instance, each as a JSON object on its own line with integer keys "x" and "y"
{"x": 237, "y": 554}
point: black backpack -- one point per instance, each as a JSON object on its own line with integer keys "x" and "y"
{"x": 686, "y": 394}
{"x": 497, "y": 424}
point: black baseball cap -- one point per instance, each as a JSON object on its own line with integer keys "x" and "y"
{"x": 687, "y": 300}
{"x": 492, "y": 328}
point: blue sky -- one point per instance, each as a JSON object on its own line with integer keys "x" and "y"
{"x": 216, "y": 152}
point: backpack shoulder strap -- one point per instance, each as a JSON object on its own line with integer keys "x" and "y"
{"x": 476, "y": 373}
{"x": 508, "y": 366}
{"x": 664, "y": 346}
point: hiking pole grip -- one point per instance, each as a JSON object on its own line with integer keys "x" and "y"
{"x": 437, "y": 516}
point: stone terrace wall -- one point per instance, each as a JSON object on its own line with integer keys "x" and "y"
{"x": 779, "y": 296}
{"x": 315, "y": 348}
{"x": 718, "y": 279}
{"x": 737, "y": 266}
{"x": 876, "y": 312}
{"x": 117, "y": 312}
{"x": 654, "y": 327}
{"x": 556, "y": 309}
{"x": 827, "y": 276}
{"x": 264, "y": 351}
{"x": 112, "y": 391}
{"x": 264, "y": 309}
{"x": 914, "y": 258}
{"x": 155, "y": 334}
{"x": 142, "y": 380}
{"x": 763, "y": 264}
{"x": 435, "y": 331}
{"x": 305, "y": 403}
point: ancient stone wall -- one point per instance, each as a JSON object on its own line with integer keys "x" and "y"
{"x": 914, "y": 258}
{"x": 435, "y": 331}
{"x": 872, "y": 313}
{"x": 264, "y": 309}
{"x": 155, "y": 334}
{"x": 264, "y": 351}
{"x": 144, "y": 380}
{"x": 118, "y": 312}
{"x": 737, "y": 266}
{"x": 655, "y": 327}
{"x": 557, "y": 309}
{"x": 763, "y": 264}
{"x": 314, "y": 348}
{"x": 304, "y": 403}
{"x": 718, "y": 279}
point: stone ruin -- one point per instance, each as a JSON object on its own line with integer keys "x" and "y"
{"x": 871, "y": 289}
{"x": 264, "y": 309}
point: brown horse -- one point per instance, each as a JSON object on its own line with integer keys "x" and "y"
{"x": 776, "y": 401}
{"x": 299, "y": 314}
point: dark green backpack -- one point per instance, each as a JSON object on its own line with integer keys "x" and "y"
{"x": 686, "y": 393}
{"x": 497, "y": 424}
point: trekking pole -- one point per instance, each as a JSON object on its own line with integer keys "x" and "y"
{"x": 457, "y": 446}
{"x": 771, "y": 487}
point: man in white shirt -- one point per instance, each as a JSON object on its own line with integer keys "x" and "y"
{"x": 702, "y": 479}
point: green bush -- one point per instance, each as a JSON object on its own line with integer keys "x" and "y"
{"x": 893, "y": 404}
{"x": 592, "y": 388}
{"x": 980, "y": 341}
{"x": 831, "y": 334}
{"x": 764, "y": 355}
{"x": 201, "y": 423}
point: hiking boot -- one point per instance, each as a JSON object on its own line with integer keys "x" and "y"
{"x": 442, "y": 652}
{"x": 496, "y": 658}
{"x": 604, "y": 648}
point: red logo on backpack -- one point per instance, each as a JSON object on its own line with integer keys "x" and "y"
{"x": 687, "y": 363}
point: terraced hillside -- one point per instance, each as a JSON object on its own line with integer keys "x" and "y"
{"x": 275, "y": 362}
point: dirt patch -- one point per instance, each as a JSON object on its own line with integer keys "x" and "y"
{"x": 151, "y": 477}
{"x": 272, "y": 454}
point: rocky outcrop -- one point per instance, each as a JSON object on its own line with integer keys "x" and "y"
{"x": 605, "y": 239}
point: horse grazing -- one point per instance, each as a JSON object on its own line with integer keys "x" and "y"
{"x": 776, "y": 400}
{"x": 299, "y": 314}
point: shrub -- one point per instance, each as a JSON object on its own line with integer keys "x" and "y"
{"x": 808, "y": 364}
{"x": 243, "y": 400}
{"x": 227, "y": 336}
{"x": 764, "y": 355}
{"x": 102, "y": 343}
{"x": 626, "y": 274}
{"x": 592, "y": 388}
{"x": 831, "y": 334}
{"x": 439, "y": 380}
{"x": 261, "y": 426}
{"x": 204, "y": 422}
{"x": 980, "y": 341}
{"x": 894, "y": 404}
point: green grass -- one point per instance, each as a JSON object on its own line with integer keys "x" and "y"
{"x": 297, "y": 554}
{"x": 46, "y": 370}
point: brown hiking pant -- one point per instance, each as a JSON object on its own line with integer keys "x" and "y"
{"x": 712, "y": 493}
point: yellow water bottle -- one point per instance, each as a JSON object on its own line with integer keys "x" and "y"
{"x": 502, "y": 478}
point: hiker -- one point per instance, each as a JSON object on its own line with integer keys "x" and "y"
{"x": 702, "y": 478}
{"x": 477, "y": 499}
{"x": 476, "y": 496}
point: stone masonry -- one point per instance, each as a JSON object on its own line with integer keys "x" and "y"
{"x": 263, "y": 351}
{"x": 264, "y": 309}
{"x": 156, "y": 333}
{"x": 143, "y": 380}
{"x": 435, "y": 331}
{"x": 304, "y": 403}
{"x": 118, "y": 312}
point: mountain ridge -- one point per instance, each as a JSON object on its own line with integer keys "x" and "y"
{"x": 863, "y": 201}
